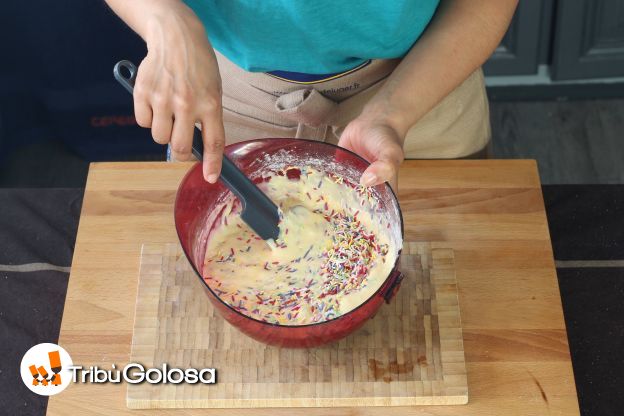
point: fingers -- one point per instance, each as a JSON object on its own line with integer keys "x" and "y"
{"x": 152, "y": 107}
{"x": 142, "y": 107}
{"x": 182, "y": 137}
{"x": 142, "y": 111}
{"x": 167, "y": 112}
{"x": 162, "y": 125}
{"x": 213, "y": 137}
{"x": 177, "y": 85}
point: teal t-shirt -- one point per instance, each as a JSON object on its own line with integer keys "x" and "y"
{"x": 312, "y": 36}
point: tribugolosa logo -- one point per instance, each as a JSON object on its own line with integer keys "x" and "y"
{"x": 45, "y": 369}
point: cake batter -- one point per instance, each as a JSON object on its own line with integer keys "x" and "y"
{"x": 332, "y": 254}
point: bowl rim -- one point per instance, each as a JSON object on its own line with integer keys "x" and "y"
{"x": 277, "y": 325}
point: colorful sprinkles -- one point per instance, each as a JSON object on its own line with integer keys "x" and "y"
{"x": 309, "y": 288}
{"x": 352, "y": 253}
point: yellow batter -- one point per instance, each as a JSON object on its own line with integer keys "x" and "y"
{"x": 333, "y": 252}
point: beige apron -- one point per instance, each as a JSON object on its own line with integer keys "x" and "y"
{"x": 262, "y": 105}
{"x": 257, "y": 105}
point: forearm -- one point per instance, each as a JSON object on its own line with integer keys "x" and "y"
{"x": 144, "y": 16}
{"x": 460, "y": 38}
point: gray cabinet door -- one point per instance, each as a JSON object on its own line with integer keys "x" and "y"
{"x": 589, "y": 39}
{"x": 519, "y": 51}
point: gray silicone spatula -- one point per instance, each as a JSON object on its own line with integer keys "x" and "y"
{"x": 258, "y": 211}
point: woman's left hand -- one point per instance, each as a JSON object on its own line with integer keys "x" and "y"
{"x": 380, "y": 144}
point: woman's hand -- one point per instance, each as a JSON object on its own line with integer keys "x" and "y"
{"x": 377, "y": 141}
{"x": 178, "y": 82}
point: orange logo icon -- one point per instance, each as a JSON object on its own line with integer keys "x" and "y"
{"x": 55, "y": 366}
{"x": 45, "y": 369}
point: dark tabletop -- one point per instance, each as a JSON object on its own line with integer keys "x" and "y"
{"x": 587, "y": 231}
{"x": 38, "y": 230}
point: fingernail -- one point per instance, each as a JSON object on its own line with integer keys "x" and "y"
{"x": 212, "y": 178}
{"x": 368, "y": 179}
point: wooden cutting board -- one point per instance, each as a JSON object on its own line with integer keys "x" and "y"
{"x": 410, "y": 353}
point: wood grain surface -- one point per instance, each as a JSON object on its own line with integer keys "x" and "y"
{"x": 410, "y": 353}
{"x": 491, "y": 213}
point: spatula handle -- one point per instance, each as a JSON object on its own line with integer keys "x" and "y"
{"x": 127, "y": 82}
{"x": 233, "y": 177}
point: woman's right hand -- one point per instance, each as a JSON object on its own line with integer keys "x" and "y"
{"x": 178, "y": 84}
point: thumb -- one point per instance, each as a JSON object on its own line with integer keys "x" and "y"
{"x": 379, "y": 172}
{"x": 384, "y": 169}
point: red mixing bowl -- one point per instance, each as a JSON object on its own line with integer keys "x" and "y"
{"x": 196, "y": 211}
